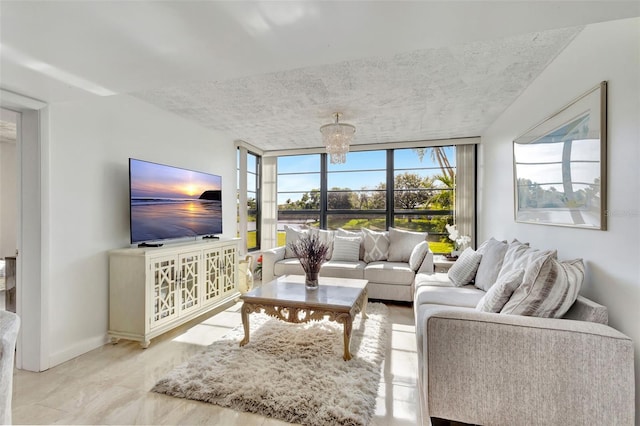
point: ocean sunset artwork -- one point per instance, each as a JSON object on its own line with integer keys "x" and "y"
{"x": 169, "y": 202}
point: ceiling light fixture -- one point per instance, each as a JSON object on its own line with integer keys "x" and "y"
{"x": 337, "y": 137}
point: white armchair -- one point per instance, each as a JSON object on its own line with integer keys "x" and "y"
{"x": 9, "y": 326}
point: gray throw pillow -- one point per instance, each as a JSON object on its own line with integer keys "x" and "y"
{"x": 499, "y": 293}
{"x": 401, "y": 244}
{"x": 464, "y": 269}
{"x": 492, "y": 252}
{"x": 359, "y": 234}
{"x": 548, "y": 289}
{"x": 520, "y": 255}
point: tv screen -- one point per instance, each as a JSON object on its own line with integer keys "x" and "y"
{"x": 169, "y": 202}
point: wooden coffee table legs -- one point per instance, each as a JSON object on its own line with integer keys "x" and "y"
{"x": 245, "y": 323}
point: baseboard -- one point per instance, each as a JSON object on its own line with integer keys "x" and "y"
{"x": 77, "y": 349}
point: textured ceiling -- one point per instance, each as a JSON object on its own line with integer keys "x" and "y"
{"x": 447, "y": 92}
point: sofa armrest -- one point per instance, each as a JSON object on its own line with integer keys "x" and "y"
{"x": 488, "y": 368}
{"x": 426, "y": 267}
{"x": 269, "y": 259}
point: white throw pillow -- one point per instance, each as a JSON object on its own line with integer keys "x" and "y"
{"x": 464, "y": 269}
{"x": 499, "y": 293}
{"x": 359, "y": 234}
{"x": 292, "y": 235}
{"x": 417, "y": 255}
{"x": 520, "y": 255}
{"x": 401, "y": 244}
{"x": 548, "y": 289}
{"x": 346, "y": 249}
{"x": 492, "y": 252}
{"x": 376, "y": 245}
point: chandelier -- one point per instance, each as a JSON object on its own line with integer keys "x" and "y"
{"x": 337, "y": 137}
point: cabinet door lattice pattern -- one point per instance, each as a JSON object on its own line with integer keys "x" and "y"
{"x": 229, "y": 269}
{"x": 164, "y": 286}
{"x": 189, "y": 295}
{"x": 212, "y": 274}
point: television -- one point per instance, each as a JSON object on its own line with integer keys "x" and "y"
{"x": 168, "y": 202}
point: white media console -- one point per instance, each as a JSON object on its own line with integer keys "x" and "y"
{"x": 155, "y": 289}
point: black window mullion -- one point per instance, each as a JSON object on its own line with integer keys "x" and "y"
{"x": 390, "y": 188}
{"x": 323, "y": 191}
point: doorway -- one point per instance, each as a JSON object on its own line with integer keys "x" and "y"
{"x": 8, "y": 207}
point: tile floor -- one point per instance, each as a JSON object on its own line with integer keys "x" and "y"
{"x": 110, "y": 385}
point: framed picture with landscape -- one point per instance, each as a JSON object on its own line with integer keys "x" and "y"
{"x": 560, "y": 166}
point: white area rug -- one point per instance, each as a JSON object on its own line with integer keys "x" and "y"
{"x": 293, "y": 372}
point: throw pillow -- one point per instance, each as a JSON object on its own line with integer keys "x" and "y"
{"x": 548, "y": 289}
{"x": 401, "y": 244}
{"x": 417, "y": 255}
{"x": 464, "y": 269}
{"x": 499, "y": 293}
{"x": 492, "y": 252}
{"x": 520, "y": 255}
{"x": 326, "y": 237}
{"x": 346, "y": 249}
{"x": 359, "y": 234}
{"x": 292, "y": 235}
{"x": 376, "y": 245}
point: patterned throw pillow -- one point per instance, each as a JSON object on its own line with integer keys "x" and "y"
{"x": 359, "y": 234}
{"x": 401, "y": 244}
{"x": 492, "y": 252}
{"x": 376, "y": 245}
{"x": 464, "y": 269}
{"x": 417, "y": 255}
{"x": 499, "y": 293}
{"x": 346, "y": 249}
{"x": 548, "y": 289}
{"x": 520, "y": 255}
{"x": 292, "y": 235}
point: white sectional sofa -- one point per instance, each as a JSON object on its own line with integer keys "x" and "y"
{"x": 518, "y": 359}
{"x": 388, "y": 279}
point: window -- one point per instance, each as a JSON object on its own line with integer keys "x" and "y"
{"x": 249, "y": 195}
{"x": 413, "y": 189}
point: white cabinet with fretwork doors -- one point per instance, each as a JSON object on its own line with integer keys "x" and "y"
{"x": 155, "y": 289}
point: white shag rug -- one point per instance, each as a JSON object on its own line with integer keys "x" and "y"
{"x": 292, "y": 372}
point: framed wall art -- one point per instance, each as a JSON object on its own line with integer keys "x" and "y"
{"x": 560, "y": 166}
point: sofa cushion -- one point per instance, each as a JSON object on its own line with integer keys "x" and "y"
{"x": 417, "y": 255}
{"x": 376, "y": 245}
{"x": 492, "y": 252}
{"x": 346, "y": 249}
{"x": 401, "y": 243}
{"x": 324, "y": 236}
{"x": 292, "y": 235}
{"x": 467, "y": 296}
{"x": 464, "y": 269}
{"x": 520, "y": 255}
{"x": 548, "y": 289}
{"x": 339, "y": 269}
{"x": 499, "y": 294}
{"x": 439, "y": 279}
{"x": 289, "y": 266}
{"x": 389, "y": 273}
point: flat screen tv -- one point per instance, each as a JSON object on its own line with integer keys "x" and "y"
{"x": 169, "y": 202}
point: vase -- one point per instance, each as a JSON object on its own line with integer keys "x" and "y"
{"x": 311, "y": 280}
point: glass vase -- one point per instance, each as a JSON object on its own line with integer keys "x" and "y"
{"x": 311, "y": 280}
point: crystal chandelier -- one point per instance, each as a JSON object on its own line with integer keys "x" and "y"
{"x": 337, "y": 137}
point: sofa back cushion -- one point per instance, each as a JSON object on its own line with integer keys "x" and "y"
{"x": 492, "y": 252}
{"x": 401, "y": 244}
{"x": 464, "y": 269}
{"x": 376, "y": 245}
{"x": 548, "y": 289}
{"x": 292, "y": 235}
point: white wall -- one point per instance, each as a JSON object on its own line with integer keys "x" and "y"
{"x": 88, "y": 214}
{"x": 608, "y": 51}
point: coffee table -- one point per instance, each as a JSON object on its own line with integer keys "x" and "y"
{"x": 287, "y": 299}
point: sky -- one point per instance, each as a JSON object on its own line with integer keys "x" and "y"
{"x": 363, "y": 169}
{"x": 160, "y": 181}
